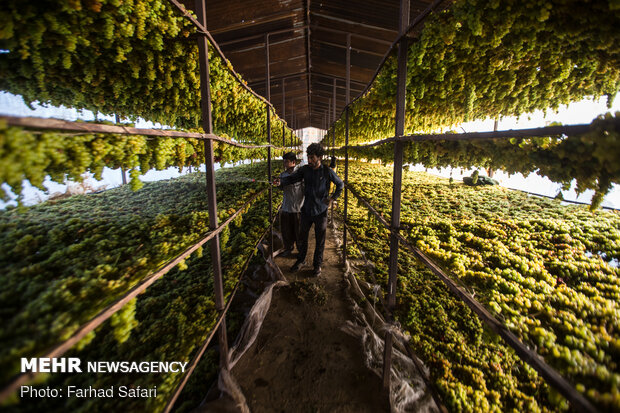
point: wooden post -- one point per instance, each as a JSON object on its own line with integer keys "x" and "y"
{"x": 397, "y": 185}
{"x": 207, "y": 125}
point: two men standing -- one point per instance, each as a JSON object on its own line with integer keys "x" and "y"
{"x": 316, "y": 178}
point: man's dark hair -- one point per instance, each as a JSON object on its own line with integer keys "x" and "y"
{"x": 289, "y": 156}
{"x": 315, "y": 149}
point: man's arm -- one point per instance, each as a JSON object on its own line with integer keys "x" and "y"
{"x": 296, "y": 176}
{"x": 338, "y": 182}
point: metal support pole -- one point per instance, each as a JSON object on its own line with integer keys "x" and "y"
{"x": 283, "y": 113}
{"x": 397, "y": 186}
{"x": 332, "y": 124}
{"x": 207, "y": 125}
{"x": 334, "y": 119}
{"x": 268, "y": 96}
{"x": 329, "y": 113}
{"x": 346, "y": 148}
{"x": 269, "y": 178}
{"x": 292, "y": 114}
{"x": 334, "y": 98}
{"x": 490, "y": 171}
{"x": 123, "y": 173}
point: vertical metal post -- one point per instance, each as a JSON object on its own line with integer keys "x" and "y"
{"x": 268, "y": 96}
{"x": 207, "y": 125}
{"x": 283, "y": 99}
{"x": 123, "y": 174}
{"x": 334, "y": 119}
{"x": 283, "y": 114}
{"x": 397, "y": 185}
{"x": 490, "y": 171}
{"x": 346, "y": 147}
{"x": 292, "y": 114}
{"x": 329, "y": 112}
{"x": 269, "y": 178}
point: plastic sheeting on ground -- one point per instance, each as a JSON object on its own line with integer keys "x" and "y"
{"x": 232, "y": 398}
{"x": 408, "y": 389}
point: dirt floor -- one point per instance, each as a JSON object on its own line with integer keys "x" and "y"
{"x": 301, "y": 360}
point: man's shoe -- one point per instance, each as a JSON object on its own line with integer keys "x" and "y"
{"x": 296, "y": 266}
{"x": 316, "y": 272}
{"x": 286, "y": 253}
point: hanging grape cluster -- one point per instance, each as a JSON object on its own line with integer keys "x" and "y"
{"x": 590, "y": 158}
{"x": 132, "y": 58}
{"x": 479, "y": 60}
{"x": 33, "y": 156}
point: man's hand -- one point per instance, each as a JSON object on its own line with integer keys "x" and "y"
{"x": 276, "y": 182}
{"x": 327, "y": 201}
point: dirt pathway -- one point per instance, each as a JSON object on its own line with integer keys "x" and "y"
{"x": 301, "y": 360}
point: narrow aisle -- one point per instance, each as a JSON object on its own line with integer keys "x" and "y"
{"x": 301, "y": 360}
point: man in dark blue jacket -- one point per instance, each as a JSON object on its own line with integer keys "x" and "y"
{"x": 316, "y": 177}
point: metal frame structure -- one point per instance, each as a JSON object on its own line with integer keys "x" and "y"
{"x": 268, "y": 114}
{"x": 346, "y": 137}
{"x": 207, "y": 126}
{"x": 215, "y": 228}
{"x": 397, "y": 184}
{"x": 577, "y": 400}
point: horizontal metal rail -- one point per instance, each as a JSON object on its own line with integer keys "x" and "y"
{"x": 561, "y": 199}
{"x": 96, "y": 321}
{"x": 569, "y": 130}
{"x": 577, "y": 400}
{"x": 84, "y": 127}
{"x": 202, "y": 30}
{"x": 206, "y": 343}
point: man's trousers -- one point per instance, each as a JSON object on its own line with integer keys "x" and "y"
{"x": 289, "y": 226}
{"x": 320, "y": 227}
